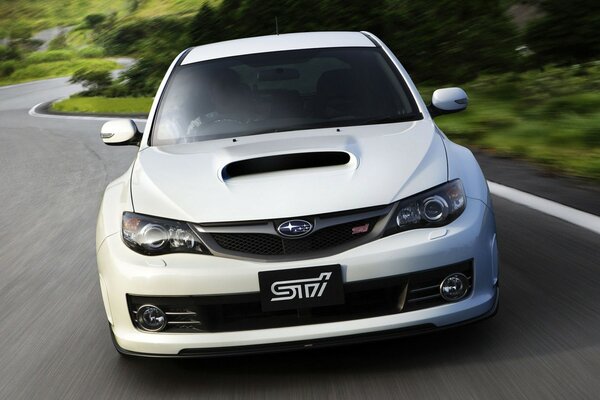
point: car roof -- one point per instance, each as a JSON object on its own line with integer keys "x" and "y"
{"x": 266, "y": 44}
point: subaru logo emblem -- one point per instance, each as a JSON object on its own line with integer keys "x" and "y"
{"x": 295, "y": 228}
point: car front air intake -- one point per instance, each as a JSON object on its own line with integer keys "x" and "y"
{"x": 284, "y": 162}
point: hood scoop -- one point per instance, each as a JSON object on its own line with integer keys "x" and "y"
{"x": 284, "y": 162}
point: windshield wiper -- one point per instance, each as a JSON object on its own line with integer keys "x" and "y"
{"x": 390, "y": 119}
{"x": 331, "y": 124}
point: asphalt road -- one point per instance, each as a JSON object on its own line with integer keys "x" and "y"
{"x": 54, "y": 340}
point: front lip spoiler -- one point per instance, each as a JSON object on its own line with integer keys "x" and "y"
{"x": 309, "y": 344}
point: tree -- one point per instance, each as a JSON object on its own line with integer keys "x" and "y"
{"x": 204, "y": 27}
{"x": 448, "y": 41}
{"x": 437, "y": 40}
{"x": 567, "y": 33}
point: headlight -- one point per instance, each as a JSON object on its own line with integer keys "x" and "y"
{"x": 435, "y": 207}
{"x": 153, "y": 236}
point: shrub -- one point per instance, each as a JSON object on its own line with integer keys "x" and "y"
{"x": 91, "y": 52}
{"x": 93, "y": 20}
{"x": 92, "y": 80}
{"x": 9, "y": 53}
{"x": 58, "y": 43}
{"x": 50, "y": 55}
{"x": 131, "y": 38}
{"x": 7, "y": 68}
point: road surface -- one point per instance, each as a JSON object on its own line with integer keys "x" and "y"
{"x": 54, "y": 339}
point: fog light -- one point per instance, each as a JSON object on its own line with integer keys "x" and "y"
{"x": 151, "y": 318}
{"x": 454, "y": 287}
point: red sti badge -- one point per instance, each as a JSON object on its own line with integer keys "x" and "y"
{"x": 360, "y": 229}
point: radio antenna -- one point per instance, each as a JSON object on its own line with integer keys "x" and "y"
{"x": 276, "y": 26}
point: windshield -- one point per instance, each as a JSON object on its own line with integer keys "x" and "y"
{"x": 281, "y": 91}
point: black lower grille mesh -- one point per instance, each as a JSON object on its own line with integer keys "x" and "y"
{"x": 272, "y": 245}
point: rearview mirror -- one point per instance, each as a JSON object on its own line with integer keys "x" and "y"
{"x": 278, "y": 74}
{"x": 447, "y": 101}
{"x": 120, "y": 132}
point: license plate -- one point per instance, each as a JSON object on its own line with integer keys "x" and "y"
{"x": 301, "y": 288}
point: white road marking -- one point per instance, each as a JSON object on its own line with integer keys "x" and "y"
{"x": 576, "y": 217}
{"x": 33, "y": 112}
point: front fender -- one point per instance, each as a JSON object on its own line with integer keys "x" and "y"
{"x": 116, "y": 200}
{"x": 462, "y": 164}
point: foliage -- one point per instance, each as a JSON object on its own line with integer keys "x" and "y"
{"x": 205, "y": 26}
{"x": 551, "y": 117}
{"x": 48, "y": 56}
{"x": 7, "y": 68}
{"x": 20, "y": 32}
{"x": 567, "y": 33}
{"x": 9, "y": 53}
{"x": 35, "y": 15}
{"x": 138, "y": 36}
{"x": 53, "y": 69}
{"x": 92, "y": 21}
{"x": 440, "y": 45}
{"x": 133, "y": 5}
{"x": 432, "y": 42}
{"x": 92, "y": 80}
{"x": 58, "y": 43}
{"x": 423, "y": 43}
{"x": 156, "y": 49}
{"x": 91, "y": 52}
{"x": 81, "y": 37}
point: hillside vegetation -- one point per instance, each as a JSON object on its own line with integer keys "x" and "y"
{"x": 550, "y": 117}
{"x": 18, "y": 17}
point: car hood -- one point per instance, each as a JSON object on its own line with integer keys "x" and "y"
{"x": 191, "y": 182}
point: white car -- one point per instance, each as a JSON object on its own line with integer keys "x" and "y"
{"x": 292, "y": 191}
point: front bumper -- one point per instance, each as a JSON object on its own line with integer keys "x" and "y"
{"x": 309, "y": 344}
{"x": 471, "y": 236}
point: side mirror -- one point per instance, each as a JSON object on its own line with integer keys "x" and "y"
{"x": 447, "y": 101}
{"x": 120, "y": 132}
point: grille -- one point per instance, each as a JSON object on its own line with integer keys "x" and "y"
{"x": 272, "y": 245}
{"x": 363, "y": 299}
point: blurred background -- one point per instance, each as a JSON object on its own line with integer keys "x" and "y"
{"x": 531, "y": 68}
{"x": 532, "y": 71}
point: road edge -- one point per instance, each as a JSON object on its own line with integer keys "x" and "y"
{"x": 42, "y": 110}
{"x": 576, "y": 217}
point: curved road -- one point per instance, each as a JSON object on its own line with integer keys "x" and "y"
{"x": 54, "y": 342}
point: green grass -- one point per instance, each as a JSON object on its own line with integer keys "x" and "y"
{"x": 53, "y": 69}
{"x": 154, "y": 8}
{"x": 35, "y": 15}
{"x": 550, "y": 117}
{"x": 105, "y": 105}
{"x": 41, "y": 14}
{"x": 49, "y": 56}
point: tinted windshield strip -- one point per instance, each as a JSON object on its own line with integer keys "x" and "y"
{"x": 362, "y": 84}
